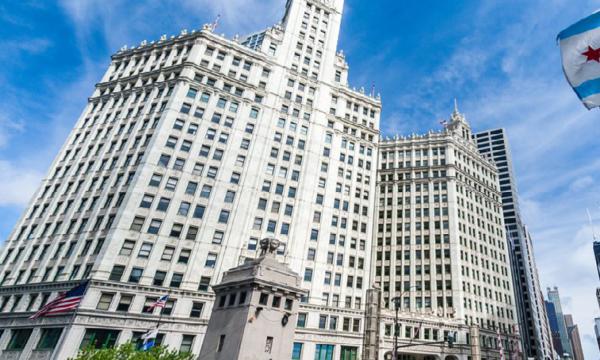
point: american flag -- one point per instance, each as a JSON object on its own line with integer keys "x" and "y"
{"x": 160, "y": 303}
{"x": 64, "y": 302}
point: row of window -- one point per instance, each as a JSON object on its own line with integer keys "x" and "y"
{"x": 96, "y": 338}
{"x": 326, "y": 352}
{"x": 159, "y": 278}
{"x": 107, "y": 303}
{"x": 330, "y": 322}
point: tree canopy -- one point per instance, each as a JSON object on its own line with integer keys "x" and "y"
{"x": 129, "y": 352}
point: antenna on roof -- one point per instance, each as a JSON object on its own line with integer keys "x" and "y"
{"x": 591, "y": 224}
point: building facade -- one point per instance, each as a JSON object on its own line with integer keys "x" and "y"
{"x": 574, "y": 337}
{"x": 597, "y": 330}
{"x": 533, "y": 319}
{"x": 440, "y": 245}
{"x": 560, "y": 334}
{"x": 597, "y": 255}
{"x": 190, "y": 150}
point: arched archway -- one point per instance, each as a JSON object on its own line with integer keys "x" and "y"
{"x": 450, "y": 357}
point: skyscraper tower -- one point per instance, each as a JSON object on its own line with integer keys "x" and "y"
{"x": 597, "y": 255}
{"x": 440, "y": 252}
{"x": 575, "y": 339}
{"x": 560, "y": 326}
{"x": 190, "y": 149}
{"x": 533, "y": 319}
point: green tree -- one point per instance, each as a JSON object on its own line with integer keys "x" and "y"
{"x": 129, "y": 352}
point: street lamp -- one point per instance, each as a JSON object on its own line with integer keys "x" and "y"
{"x": 397, "y": 302}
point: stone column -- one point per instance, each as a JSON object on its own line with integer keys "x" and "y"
{"x": 475, "y": 342}
{"x": 372, "y": 325}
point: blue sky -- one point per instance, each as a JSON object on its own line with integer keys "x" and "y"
{"x": 498, "y": 57}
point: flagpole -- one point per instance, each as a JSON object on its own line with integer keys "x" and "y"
{"x": 68, "y": 328}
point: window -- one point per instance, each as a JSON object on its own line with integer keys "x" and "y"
{"x": 171, "y": 184}
{"x": 297, "y": 351}
{"x": 105, "y": 301}
{"x": 146, "y": 202}
{"x": 229, "y": 196}
{"x": 155, "y": 180}
{"x": 168, "y": 309}
{"x": 199, "y": 212}
{"x": 176, "y": 280}
{"x": 308, "y": 273}
{"x": 147, "y": 309}
{"x": 117, "y": 273}
{"x": 301, "y": 320}
{"x": 206, "y": 190}
{"x": 184, "y": 256}
{"x": 324, "y": 352}
{"x": 137, "y": 223}
{"x": 349, "y": 353}
{"x": 176, "y": 230}
{"x": 19, "y": 339}
{"x": 184, "y": 208}
{"x": 252, "y": 243}
{"x": 178, "y": 165}
{"x": 168, "y": 253}
{"x": 186, "y": 343}
{"x": 145, "y": 250}
{"x": 224, "y": 216}
{"x": 135, "y": 275}
{"x": 154, "y": 226}
{"x": 322, "y": 321}
{"x": 127, "y": 247}
{"x": 192, "y": 233}
{"x": 197, "y": 308}
{"x": 218, "y": 237}
{"x": 204, "y": 283}
{"x": 99, "y": 338}
{"x": 211, "y": 260}
{"x": 124, "y": 303}
{"x": 49, "y": 338}
{"x": 163, "y": 204}
{"x": 159, "y": 278}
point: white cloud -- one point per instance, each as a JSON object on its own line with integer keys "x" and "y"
{"x": 8, "y": 127}
{"x": 124, "y": 22}
{"x": 17, "y": 183}
{"x": 582, "y": 183}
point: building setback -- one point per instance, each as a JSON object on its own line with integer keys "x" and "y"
{"x": 191, "y": 149}
{"x": 533, "y": 319}
{"x": 440, "y": 241}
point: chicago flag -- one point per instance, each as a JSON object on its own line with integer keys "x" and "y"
{"x": 580, "y": 50}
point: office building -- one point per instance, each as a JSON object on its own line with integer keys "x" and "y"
{"x": 575, "y": 339}
{"x": 191, "y": 149}
{"x": 597, "y": 330}
{"x": 597, "y": 255}
{"x": 534, "y": 327}
{"x": 440, "y": 246}
{"x": 558, "y": 326}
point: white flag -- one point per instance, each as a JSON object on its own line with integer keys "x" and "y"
{"x": 580, "y": 50}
